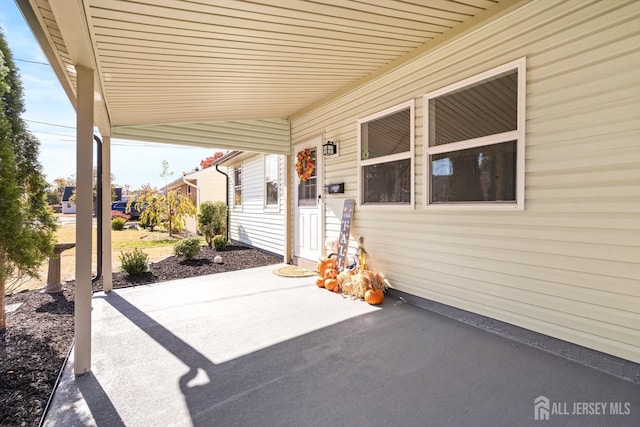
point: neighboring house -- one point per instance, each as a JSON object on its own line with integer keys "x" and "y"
{"x": 200, "y": 185}
{"x": 256, "y": 194}
{"x": 68, "y": 207}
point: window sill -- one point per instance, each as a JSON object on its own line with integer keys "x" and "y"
{"x": 387, "y": 206}
{"x": 476, "y": 206}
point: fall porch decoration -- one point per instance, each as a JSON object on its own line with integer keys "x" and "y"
{"x": 356, "y": 283}
{"x": 358, "y": 280}
{"x": 327, "y": 273}
{"x": 304, "y": 164}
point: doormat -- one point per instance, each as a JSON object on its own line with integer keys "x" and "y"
{"x": 293, "y": 271}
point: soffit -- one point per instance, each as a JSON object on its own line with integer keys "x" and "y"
{"x": 163, "y": 62}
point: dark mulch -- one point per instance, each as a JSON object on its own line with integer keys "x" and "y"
{"x": 172, "y": 268}
{"x": 36, "y": 342}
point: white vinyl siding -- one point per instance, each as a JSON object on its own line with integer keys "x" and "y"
{"x": 568, "y": 265}
{"x": 254, "y": 225}
{"x": 266, "y": 135}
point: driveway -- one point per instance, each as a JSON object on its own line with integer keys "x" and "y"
{"x": 250, "y": 348}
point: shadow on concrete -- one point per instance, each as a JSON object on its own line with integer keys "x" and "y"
{"x": 396, "y": 366}
{"x": 101, "y": 407}
{"x": 95, "y": 408}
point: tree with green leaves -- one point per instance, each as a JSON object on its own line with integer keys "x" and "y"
{"x": 61, "y": 183}
{"x": 212, "y": 220}
{"x": 150, "y": 205}
{"x": 27, "y": 224}
{"x": 94, "y": 180}
{"x": 168, "y": 209}
{"x": 178, "y": 207}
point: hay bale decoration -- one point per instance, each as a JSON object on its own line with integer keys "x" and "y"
{"x": 356, "y": 280}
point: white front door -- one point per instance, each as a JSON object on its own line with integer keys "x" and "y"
{"x": 308, "y": 204}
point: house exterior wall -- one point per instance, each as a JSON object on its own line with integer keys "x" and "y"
{"x": 568, "y": 265}
{"x": 212, "y": 184}
{"x": 211, "y": 187}
{"x": 253, "y": 223}
{"x": 68, "y": 207}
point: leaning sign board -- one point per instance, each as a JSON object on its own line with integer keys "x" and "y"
{"x": 345, "y": 228}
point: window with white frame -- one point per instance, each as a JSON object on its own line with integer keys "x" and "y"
{"x": 475, "y": 141}
{"x": 237, "y": 186}
{"x": 385, "y": 157}
{"x": 271, "y": 179}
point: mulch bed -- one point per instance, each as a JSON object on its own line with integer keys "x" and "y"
{"x": 39, "y": 333}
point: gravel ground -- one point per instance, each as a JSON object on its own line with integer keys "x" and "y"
{"x": 39, "y": 333}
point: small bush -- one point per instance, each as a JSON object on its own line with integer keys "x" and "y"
{"x": 212, "y": 220}
{"x": 118, "y": 223}
{"x": 219, "y": 242}
{"x": 187, "y": 248}
{"x": 134, "y": 262}
{"x": 118, "y": 214}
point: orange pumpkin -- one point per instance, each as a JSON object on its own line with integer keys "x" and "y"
{"x": 374, "y": 296}
{"x": 320, "y": 282}
{"x": 323, "y": 264}
{"x": 331, "y": 284}
{"x": 330, "y": 273}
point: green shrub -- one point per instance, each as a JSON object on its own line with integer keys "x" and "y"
{"x": 219, "y": 242}
{"x": 118, "y": 223}
{"x": 187, "y": 248}
{"x": 134, "y": 262}
{"x": 212, "y": 220}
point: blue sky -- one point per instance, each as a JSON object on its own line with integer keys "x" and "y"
{"x": 133, "y": 163}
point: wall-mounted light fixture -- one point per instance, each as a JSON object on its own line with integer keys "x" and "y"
{"x": 329, "y": 149}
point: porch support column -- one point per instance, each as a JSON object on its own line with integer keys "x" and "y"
{"x": 107, "y": 277}
{"x": 288, "y": 217}
{"x": 84, "y": 217}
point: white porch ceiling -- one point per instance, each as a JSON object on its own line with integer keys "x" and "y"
{"x": 180, "y": 62}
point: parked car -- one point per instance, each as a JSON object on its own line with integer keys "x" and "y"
{"x": 122, "y": 207}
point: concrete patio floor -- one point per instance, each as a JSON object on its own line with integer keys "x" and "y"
{"x": 250, "y": 348}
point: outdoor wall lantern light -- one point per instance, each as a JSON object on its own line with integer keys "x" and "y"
{"x": 329, "y": 149}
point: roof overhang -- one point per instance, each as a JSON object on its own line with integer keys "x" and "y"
{"x": 225, "y": 74}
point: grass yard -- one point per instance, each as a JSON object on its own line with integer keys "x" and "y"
{"x": 158, "y": 245}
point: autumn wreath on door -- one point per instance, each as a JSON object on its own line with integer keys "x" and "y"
{"x": 304, "y": 165}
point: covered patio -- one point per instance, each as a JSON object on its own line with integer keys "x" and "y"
{"x": 273, "y": 77}
{"x": 252, "y": 348}
{"x": 231, "y": 76}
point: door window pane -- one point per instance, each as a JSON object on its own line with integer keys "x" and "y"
{"x": 307, "y": 190}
